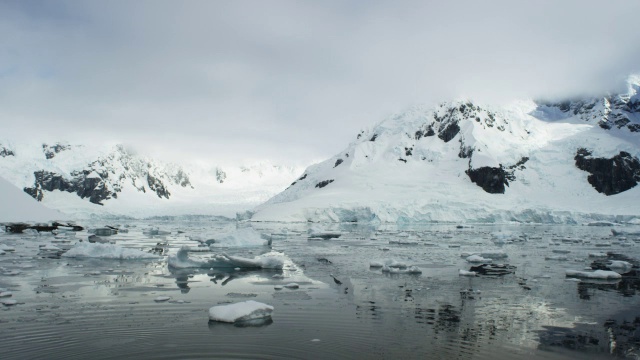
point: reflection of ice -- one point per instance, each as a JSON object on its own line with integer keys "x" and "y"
{"x": 182, "y": 260}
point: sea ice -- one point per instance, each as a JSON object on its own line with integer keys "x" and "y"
{"x": 182, "y": 260}
{"x": 292, "y": 286}
{"x": 106, "y": 251}
{"x": 392, "y": 263}
{"x": 162, "y": 298}
{"x": 409, "y": 270}
{"x": 242, "y": 311}
{"x": 8, "y": 302}
{"x": 478, "y": 259}
{"x": 466, "y": 273}
{"x": 598, "y": 274}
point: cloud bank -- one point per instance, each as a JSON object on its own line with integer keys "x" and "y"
{"x": 289, "y": 80}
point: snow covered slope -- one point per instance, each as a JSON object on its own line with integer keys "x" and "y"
{"x": 102, "y": 180}
{"x": 17, "y": 206}
{"x": 529, "y": 161}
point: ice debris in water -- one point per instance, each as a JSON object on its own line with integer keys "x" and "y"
{"x": 292, "y": 286}
{"x": 7, "y": 248}
{"x": 245, "y": 237}
{"x": 182, "y": 260}
{"x": 598, "y": 274}
{"x": 466, "y": 273}
{"x": 409, "y": 270}
{"x": 8, "y": 302}
{"x": 392, "y": 263}
{"x": 106, "y": 251}
{"x": 5, "y": 294}
{"x": 478, "y": 259}
{"x": 162, "y": 298}
{"x": 242, "y": 311}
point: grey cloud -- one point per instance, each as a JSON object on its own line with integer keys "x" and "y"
{"x": 244, "y": 79}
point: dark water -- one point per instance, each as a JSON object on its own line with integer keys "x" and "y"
{"x": 77, "y": 309}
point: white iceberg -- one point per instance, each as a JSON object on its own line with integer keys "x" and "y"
{"x": 598, "y": 274}
{"x": 466, "y": 273}
{"x": 242, "y": 311}
{"x": 478, "y": 259}
{"x": 182, "y": 260}
{"x": 106, "y": 251}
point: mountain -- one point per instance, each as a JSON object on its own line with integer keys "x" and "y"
{"x": 20, "y": 207}
{"x": 110, "y": 180}
{"x": 530, "y": 161}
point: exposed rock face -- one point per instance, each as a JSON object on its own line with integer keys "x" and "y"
{"x": 490, "y": 179}
{"x": 221, "y": 176}
{"x": 104, "y": 178}
{"x": 338, "y": 162}
{"x": 609, "y": 176}
{"x": 323, "y": 183}
{"x": 50, "y": 151}
{"x": 5, "y": 151}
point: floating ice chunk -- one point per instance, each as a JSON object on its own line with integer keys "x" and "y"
{"x": 182, "y": 260}
{"x": 162, "y": 298}
{"x": 242, "y": 311}
{"x": 292, "y": 286}
{"x": 7, "y": 248}
{"x": 106, "y": 251}
{"x": 49, "y": 247}
{"x": 376, "y": 264}
{"x": 8, "y": 302}
{"x": 278, "y": 287}
{"x": 467, "y": 273}
{"x": 6, "y": 294}
{"x": 388, "y": 262}
{"x": 598, "y": 274}
{"x": 409, "y": 270}
{"x": 573, "y": 279}
{"x": 278, "y": 276}
{"x": 597, "y": 254}
{"x": 561, "y": 251}
{"x": 478, "y": 259}
{"x": 619, "y": 264}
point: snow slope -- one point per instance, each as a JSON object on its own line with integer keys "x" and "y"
{"x": 17, "y": 206}
{"x": 111, "y": 180}
{"x": 460, "y": 161}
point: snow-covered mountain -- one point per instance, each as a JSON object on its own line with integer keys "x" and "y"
{"x": 18, "y": 206}
{"x": 110, "y": 180}
{"x": 462, "y": 161}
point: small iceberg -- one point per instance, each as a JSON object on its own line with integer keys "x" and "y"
{"x": 467, "y": 273}
{"x": 240, "y": 312}
{"x": 598, "y": 274}
{"x": 392, "y": 263}
{"x": 181, "y": 261}
{"x": 106, "y": 251}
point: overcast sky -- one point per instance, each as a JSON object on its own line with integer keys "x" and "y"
{"x": 289, "y": 80}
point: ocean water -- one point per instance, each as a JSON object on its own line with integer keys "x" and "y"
{"x": 70, "y": 308}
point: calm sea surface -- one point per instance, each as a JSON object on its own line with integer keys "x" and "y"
{"x": 105, "y": 309}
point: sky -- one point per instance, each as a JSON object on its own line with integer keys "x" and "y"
{"x": 289, "y": 81}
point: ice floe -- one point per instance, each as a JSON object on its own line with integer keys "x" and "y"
{"x": 408, "y": 270}
{"x": 241, "y": 311}
{"x": 182, "y": 260}
{"x": 467, "y": 273}
{"x": 106, "y": 251}
{"x": 478, "y": 259}
{"x": 598, "y": 274}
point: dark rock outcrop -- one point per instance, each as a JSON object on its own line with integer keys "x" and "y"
{"x": 50, "y": 151}
{"x": 4, "y": 152}
{"x": 323, "y": 183}
{"x": 338, "y": 162}
{"x": 490, "y": 179}
{"x": 609, "y": 176}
